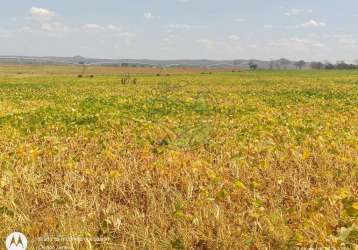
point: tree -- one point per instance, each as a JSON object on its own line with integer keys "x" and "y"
{"x": 317, "y": 65}
{"x": 236, "y": 62}
{"x": 341, "y": 65}
{"x": 253, "y": 66}
{"x": 300, "y": 64}
{"x": 272, "y": 64}
{"x": 344, "y": 65}
{"x": 329, "y": 66}
{"x": 284, "y": 62}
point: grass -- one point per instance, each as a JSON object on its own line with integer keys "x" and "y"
{"x": 244, "y": 160}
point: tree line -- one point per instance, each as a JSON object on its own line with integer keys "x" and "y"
{"x": 337, "y": 65}
{"x": 301, "y": 64}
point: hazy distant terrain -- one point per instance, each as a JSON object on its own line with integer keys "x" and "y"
{"x": 242, "y": 64}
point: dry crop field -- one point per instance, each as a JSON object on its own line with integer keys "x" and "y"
{"x": 231, "y": 160}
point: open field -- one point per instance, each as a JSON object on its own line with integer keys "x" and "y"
{"x": 244, "y": 160}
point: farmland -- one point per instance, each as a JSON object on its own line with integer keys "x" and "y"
{"x": 183, "y": 160}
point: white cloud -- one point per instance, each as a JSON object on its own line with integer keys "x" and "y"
{"x": 54, "y": 27}
{"x": 240, "y": 20}
{"x": 296, "y": 43}
{"x": 25, "y": 29}
{"x": 234, "y": 37}
{"x": 5, "y": 33}
{"x": 181, "y": 27}
{"x": 127, "y": 34}
{"x": 314, "y": 24}
{"x": 93, "y": 27}
{"x": 41, "y": 13}
{"x": 111, "y": 29}
{"x": 308, "y": 42}
{"x": 209, "y": 44}
{"x": 149, "y": 15}
{"x": 296, "y": 12}
{"x": 170, "y": 40}
{"x": 347, "y": 41}
{"x": 268, "y": 26}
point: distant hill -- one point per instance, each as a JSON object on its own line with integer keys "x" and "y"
{"x": 239, "y": 64}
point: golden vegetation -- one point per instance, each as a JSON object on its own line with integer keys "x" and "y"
{"x": 248, "y": 160}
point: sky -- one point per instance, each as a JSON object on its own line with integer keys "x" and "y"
{"x": 181, "y": 29}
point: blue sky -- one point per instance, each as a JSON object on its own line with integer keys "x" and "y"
{"x": 181, "y": 29}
